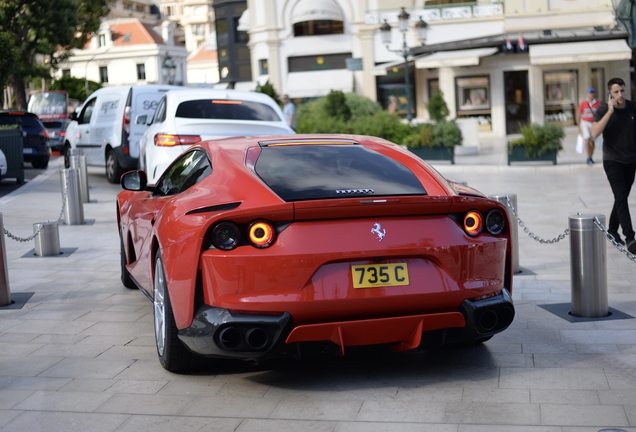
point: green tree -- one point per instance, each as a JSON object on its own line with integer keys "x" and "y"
{"x": 76, "y": 87}
{"x": 270, "y": 91}
{"x": 44, "y": 31}
{"x": 336, "y": 106}
{"x": 437, "y": 108}
{"x": 7, "y": 59}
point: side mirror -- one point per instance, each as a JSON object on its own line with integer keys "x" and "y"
{"x": 134, "y": 181}
{"x": 73, "y": 116}
{"x": 141, "y": 119}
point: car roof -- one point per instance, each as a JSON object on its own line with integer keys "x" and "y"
{"x": 16, "y": 113}
{"x": 187, "y": 94}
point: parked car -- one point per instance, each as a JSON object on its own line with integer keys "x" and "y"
{"x": 103, "y": 128}
{"x": 57, "y": 133}
{"x": 36, "y": 138}
{"x": 187, "y": 116}
{"x": 3, "y": 164}
{"x": 256, "y": 247}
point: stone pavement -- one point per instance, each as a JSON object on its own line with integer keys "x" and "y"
{"x": 80, "y": 356}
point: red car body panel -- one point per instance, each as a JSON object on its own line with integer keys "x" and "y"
{"x": 307, "y": 271}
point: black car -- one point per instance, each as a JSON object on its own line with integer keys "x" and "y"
{"x": 36, "y": 138}
{"x": 57, "y": 133}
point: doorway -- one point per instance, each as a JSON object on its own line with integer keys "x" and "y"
{"x": 517, "y": 99}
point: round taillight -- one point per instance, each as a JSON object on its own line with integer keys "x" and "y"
{"x": 473, "y": 223}
{"x": 261, "y": 234}
{"x": 226, "y": 236}
{"x": 495, "y": 222}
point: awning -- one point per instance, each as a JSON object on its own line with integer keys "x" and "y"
{"x": 316, "y": 10}
{"x": 580, "y": 52}
{"x": 469, "y": 57}
{"x": 318, "y": 83}
{"x": 382, "y": 69}
{"x": 244, "y": 21}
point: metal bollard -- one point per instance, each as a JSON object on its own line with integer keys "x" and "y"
{"x": 73, "y": 207}
{"x": 5, "y": 290}
{"x": 514, "y": 227}
{"x": 588, "y": 267}
{"x": 47, "y": 239}
{"x": 75, "y": 152}
{"x": 79, "y": 162}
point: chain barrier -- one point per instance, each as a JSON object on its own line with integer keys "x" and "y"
{"x": 530, "y": 233}
{"x": 59, "y": 218}
{"x": 611, "y": 239}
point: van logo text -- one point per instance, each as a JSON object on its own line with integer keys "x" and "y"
{"x": 150, "y": 105}
{"x": 109, "y": 106}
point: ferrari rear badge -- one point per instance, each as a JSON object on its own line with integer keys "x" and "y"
{"x": 377, "y": 230}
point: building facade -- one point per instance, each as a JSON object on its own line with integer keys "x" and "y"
{"x": 502, "y": 63}
{"x": 129, "y": 51}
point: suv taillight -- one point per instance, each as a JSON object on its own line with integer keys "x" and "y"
{"x": 170, "y": 140}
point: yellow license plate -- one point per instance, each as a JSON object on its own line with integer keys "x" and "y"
{"x": 379, "y": 275}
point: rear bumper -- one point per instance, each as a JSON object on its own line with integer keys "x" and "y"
{"x": 218, "y": 333}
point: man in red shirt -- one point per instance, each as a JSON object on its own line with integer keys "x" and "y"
{"x": 585, "y": 118}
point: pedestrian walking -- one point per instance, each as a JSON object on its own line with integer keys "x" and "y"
{"x": 585, "y": 118}
{"x": 615, "y": 120}
{"x": 289, "y": 110}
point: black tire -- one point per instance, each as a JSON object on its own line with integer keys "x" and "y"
{"x": 126, "y": 280}
{"x": 113, "y": 169}
{"x": 40, "y": 164}
{"x": 173, "y": 355}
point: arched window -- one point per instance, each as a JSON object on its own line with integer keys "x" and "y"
{"x": 317, "y": 17}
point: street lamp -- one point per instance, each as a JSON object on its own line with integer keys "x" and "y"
{"x": 168, "y": 69}
{"x": 421, "y": 29}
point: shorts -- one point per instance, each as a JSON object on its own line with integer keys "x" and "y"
{"x": 585, "y": 130}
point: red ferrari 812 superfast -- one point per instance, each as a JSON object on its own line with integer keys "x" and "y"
{"x": 258, "y": 247}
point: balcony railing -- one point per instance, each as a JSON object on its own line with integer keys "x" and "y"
{"x": 456, "y": 11}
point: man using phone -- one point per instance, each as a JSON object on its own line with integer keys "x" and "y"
{"x": 615, "y": 120}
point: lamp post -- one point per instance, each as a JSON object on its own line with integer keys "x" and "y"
{"x": 421, "y": 29}
{"x": 168, "y": 69}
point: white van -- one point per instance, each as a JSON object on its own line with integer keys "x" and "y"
{"x": 110, "y": 123}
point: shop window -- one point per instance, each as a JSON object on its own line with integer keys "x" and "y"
{"x": 318, "y": 27}
{"x": 318, "y": 62}
{"x": 598, "y": 82}
{"x": 560, "y": 97}
{"x": 433, "y": 87}
{"x": 263, "y": 67}
{"x": 473, "y": 100}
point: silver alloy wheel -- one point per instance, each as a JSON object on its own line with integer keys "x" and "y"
{"x": 110, "y": 165}
{"x": 160, "y": 307}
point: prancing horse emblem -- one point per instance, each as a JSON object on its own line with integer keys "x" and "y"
{"x": 377, "y": 229}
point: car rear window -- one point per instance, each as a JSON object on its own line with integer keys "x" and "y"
{"x": 27, "y": 121}
{"x": 222, "y": 109}
{"x": 310, "y": 172}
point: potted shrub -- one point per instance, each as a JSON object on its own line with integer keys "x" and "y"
{"x": 537, "y": 143}
{"x": 435, "y": 141}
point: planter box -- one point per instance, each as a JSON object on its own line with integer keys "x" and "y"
{"x": 518, "y": 154}
{"x": 435, "y": 153}
{"x": 11, "y": 144}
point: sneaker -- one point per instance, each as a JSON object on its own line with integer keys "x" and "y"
{"x": 590, "y": 161}
{"x": 617, "y": 238}
{"x": 631, "y": 246}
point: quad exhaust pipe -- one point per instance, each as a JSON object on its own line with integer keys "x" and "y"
{"x": 236, "y": 339}
{"x": 493, "y": 318}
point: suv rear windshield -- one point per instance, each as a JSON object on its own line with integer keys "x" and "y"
{"x": 226, "y": 110}
{"x": 27, "y": 120}
{"x": 309, "y": 172}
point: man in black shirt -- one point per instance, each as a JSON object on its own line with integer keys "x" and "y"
{"x": 615, "y": 120}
